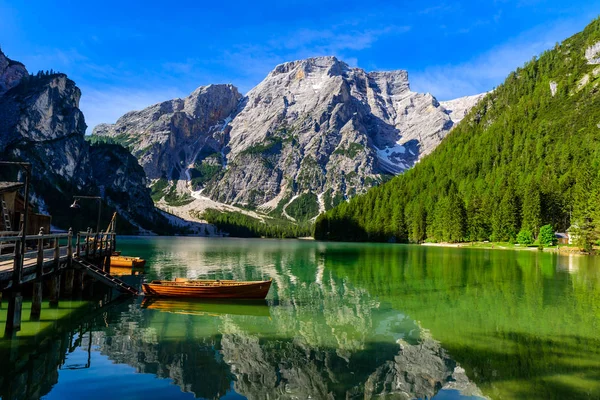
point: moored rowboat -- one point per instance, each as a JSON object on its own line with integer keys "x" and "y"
{"x": 211, "y": 289}
{"x": 127, "y": 262}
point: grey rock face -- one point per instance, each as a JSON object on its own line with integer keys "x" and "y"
{"x": 319, "y": 126}
{"x": 11, "y": 73}
{"x": 418, "y": 371}
{"x": 40, "y": 122}
{"x": 553, "y": 88}
{"x": 457, "y": 109}
{"x": 592, "y": 53}
{"x": 311, "y": 126}
{"x": 168, "y": 136}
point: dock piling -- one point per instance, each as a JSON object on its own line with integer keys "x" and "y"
{"x": 15, "y": 301}
{"x": 54, "y": 290}
{"x": 70, "y": 272}
{"x": 55, "y": 278}
{"x": 13, "y": 315}
{"x": 36, "y": 301}
{"x": 45, "y": 267}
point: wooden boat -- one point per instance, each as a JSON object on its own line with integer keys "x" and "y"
{"x": 208, "y": 289}
{"x": 127, "y": 262}
{"x": 207, "y": 307}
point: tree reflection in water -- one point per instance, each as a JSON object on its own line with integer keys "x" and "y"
{"x": 341, "y": 322}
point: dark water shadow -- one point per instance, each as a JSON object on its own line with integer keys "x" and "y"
{"x": 535, "y": 362}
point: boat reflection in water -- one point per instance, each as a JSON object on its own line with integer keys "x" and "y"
{"x": 257, "y": 308}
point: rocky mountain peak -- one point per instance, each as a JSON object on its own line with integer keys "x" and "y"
{"x": 391, "y": 83}
{"x": 11, "y": 73}
{"x": 212, "y": 97}
{"x": 40, "y": 122}
{"x": 313, "y": 132}
{"x": 328, "y": 64}
{"x": 168, "y": 137}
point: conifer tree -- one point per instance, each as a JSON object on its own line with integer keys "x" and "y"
{"x": 532, "y": 209}
{"x": 478, "y": 229}
{"x": 504, "y": 221}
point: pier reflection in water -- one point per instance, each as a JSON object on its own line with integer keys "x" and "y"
{"x": 346, "y": 321}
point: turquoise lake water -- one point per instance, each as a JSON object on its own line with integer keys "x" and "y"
{"x": 341, "y": 321}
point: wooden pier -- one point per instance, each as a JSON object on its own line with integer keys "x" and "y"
{"x": 47, "y": 258}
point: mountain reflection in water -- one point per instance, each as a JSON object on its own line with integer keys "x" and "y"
{"x": 341, "y": 321}
{"x": 209, "y": 349}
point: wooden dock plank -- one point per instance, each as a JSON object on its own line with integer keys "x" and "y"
{"x": 31, "y": 259}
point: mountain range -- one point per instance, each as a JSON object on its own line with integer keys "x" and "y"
{"x": 313, "y": 133}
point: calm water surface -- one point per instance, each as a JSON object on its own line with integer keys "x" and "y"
{"x": 341, "y": 321}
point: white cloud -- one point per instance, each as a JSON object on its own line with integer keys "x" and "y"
{"x": 489, "y": 69}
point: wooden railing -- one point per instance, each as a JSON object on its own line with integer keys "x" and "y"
{"x": 54, "y": 248}
{"x": 44, "y": 256}
{"x": 105, "y": 244}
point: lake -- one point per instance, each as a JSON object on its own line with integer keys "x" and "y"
{"x": 341, "y": 321}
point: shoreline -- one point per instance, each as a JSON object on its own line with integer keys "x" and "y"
{"x": 496, "y": 246}
{"x": 463, "y": 245}
{"x": 489, "y": 246}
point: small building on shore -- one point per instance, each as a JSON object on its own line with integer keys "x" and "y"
{"x": 12, "y": 206}
{"x": 562, "y": 238}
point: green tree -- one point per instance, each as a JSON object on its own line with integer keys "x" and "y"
{"x": 547, "y": 236}
{"x": 525, "y": 237}
{"x": 453, "y": 221}
{"x": 532, "y": 209}
{"x": 530, "y": 157}
{"x": 504, "y": 223}
{"x": 477, "y": 227}
{"x": 418, "y": 219}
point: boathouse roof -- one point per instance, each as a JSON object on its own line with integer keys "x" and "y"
{"x": 9, "y": 186}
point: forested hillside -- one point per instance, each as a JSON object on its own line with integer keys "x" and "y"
{"x": 527, "y": 155}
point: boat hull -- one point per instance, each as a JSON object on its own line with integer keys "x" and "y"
{"x": 212, "y": 290}
{"x": 127, "y": 262}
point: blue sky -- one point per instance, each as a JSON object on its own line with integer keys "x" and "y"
{"x": 128, "y": 55}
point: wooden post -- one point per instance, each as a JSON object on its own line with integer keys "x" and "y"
{"x": 69, "y": 280}
{"x": 54, "y": 290}
{"x": 95, "y": 242}
{"x": 15, "y": 301}
{"x": 36, "y": 301}
{"x": 70, "y": 248}
{"x": 78, "y": 248}
{"x": 114, "y": 232}
{"x": 87, "y": 243}
{"x": 78, "y": 283}
{"x": 70, "y": 273}
{"x": 13, "y": 316}
{"x": 55, "y": 278}
{"x": 107, "y": 263}
{"x": 56, "y": 263}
